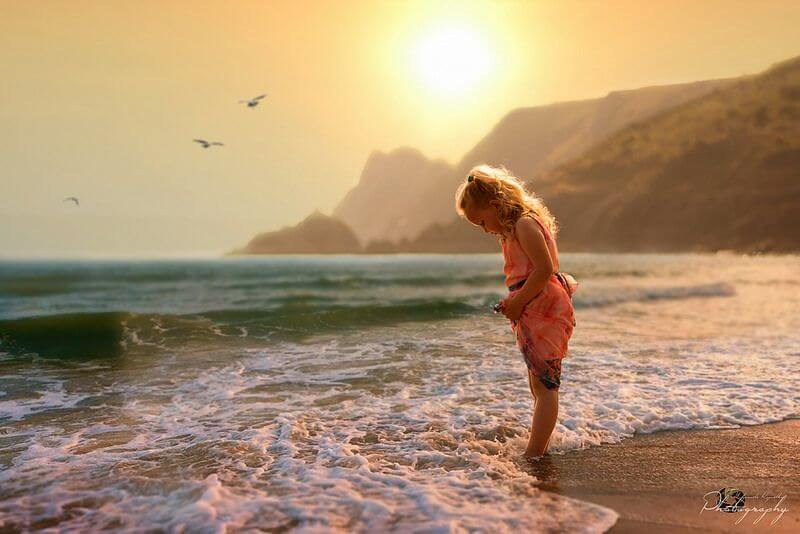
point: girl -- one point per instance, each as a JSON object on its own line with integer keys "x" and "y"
{"x": 539, "y": 303}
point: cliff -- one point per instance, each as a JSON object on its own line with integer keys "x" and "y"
{"x": 316, "y": 234}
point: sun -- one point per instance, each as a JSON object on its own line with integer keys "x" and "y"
{"x": 451, "y": 60}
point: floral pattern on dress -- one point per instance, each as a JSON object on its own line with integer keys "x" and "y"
{"x": 547, "y": 321}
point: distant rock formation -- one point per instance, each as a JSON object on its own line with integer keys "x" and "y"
{"x": 719, "y": 172}
{"x": 401, "y": 193}
{"x": 316, "y": 234}
{"x": 703, "y": 166}
{"x": 455, "y": 237}
{"x": 385, "y": 205}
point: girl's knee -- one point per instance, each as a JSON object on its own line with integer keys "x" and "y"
{"x": 542, "y": 389}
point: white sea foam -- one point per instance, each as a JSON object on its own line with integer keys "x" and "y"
{"x": 285, "y": 432}
{"x": 327, "y": 435}
{"x": 46, "y": 395}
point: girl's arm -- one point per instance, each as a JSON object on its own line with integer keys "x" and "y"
{"x": 532, "y": 241}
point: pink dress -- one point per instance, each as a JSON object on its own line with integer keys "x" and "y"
{"x": 545, "y": 326}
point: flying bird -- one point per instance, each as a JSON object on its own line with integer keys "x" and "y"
{"x": 207, "y": 144}
{"x": 253, "y": 102}
{"x": 75, "y": 200}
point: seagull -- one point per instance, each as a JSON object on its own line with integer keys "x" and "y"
{"x": 253, "y": 102}
{"x": 207, "y": 144}
{"x": 75, "y": 200}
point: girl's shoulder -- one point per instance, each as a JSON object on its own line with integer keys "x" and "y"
{"x": 538, "y": 221}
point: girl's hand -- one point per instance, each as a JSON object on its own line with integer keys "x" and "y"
{"x": 512, "y": 308}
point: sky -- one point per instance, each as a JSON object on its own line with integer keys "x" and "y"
{"x": 101, "y": 100}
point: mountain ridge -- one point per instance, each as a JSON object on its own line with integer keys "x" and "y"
{"x": 596, "y": 192}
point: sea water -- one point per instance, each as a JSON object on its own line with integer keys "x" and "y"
{"x": 359, "y": 393}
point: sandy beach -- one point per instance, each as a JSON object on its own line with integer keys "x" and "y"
{"x": 657, "y": 482}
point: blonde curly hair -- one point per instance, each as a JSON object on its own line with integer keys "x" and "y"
{"x": 514, "y": 200}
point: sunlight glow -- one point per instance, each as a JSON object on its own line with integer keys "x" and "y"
{"x": 450, "y": 60}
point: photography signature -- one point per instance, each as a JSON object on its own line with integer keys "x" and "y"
{"x": 732, "y": 500}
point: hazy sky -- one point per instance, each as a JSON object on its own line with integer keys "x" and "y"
{"x": 101, "y": 99}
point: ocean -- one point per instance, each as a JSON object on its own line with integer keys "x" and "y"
{"x": 359, "y": 393}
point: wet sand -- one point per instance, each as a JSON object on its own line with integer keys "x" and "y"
{"x": 657, "y": 482}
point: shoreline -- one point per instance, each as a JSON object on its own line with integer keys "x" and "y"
{"x": 205, "y": 256}
{"x": 657, "y": 482}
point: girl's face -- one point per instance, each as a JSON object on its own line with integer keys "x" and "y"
{"x": 484, "y": 217}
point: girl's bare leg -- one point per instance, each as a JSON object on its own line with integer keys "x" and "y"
{"x": 545, "y": 415}
{"x": 531, "y": 379}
